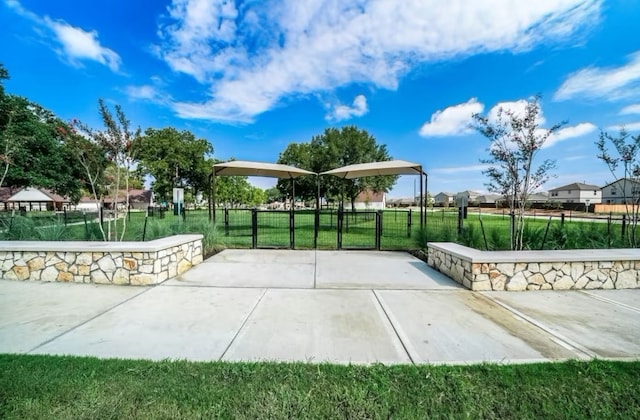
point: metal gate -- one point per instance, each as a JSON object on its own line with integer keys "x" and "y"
{"x": 326, "y": 229}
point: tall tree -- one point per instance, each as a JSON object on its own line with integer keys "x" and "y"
{"x": 624, "y": 165}
{"x": 174, "y": 158}
{"x": 515, "y": 140}
{"x": 335, "y": 148}
{"x": 115, "y": 141}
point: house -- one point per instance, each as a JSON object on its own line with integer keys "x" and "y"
{"x": 467, "y": 198}
{"x": 489, "y": 198}
{"x": 576, "y": 193}
{"x": 443, "y": 199}
{"x": 34, "y": 199}
{"x": 621, "y": 191}
{"x": 368, "y": 200}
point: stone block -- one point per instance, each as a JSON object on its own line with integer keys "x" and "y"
{"x": 520, "y": 267}
{"x": 533, "y": 287}
{"x": 565, "y": 283}
{"x": 536, "y": 278}
{"x": 577, "y": 269}
{"x": 533, "y": 267}
{"x": 73, "y": 269}
{"x": 498, "y": 283}
{"x": 197, "y": 259}
{"x": 22, "y": 272}
{"x": 183, "y": 266}
{"x": 65, "y": 276}
{"x": 121, "y": 276}
{"x": 62, "y": 266}
{"x": 608, "y": 284}
{"x": 10, "y": 275}
{"x": 545, "y": 268}
{"x": 506, "y": 268}
{"x": 173, "y": 269}
{"x": 107, "y": 264}
{"x": 36, "y": 263}
{"x": 129, "y": 263}
{"x": 84, "y": 258}
{"x": 49, "y": 274}
{"x": 481, "y": 286}
{"x": 605, "y": 264}
{"x": 142, "y": 279}
{"x": 546, "y": 286}
{"x": 517, "y": 283}
{"x": 627, "y": 280}
{"x": 593, "y": 285}
{"x": 99, "y": 277}
{"x": 581, "y": 282}
{"x": 476, "y": 268}
{"x": 34, "y": 275}
{"x": 84, "y": 270}
{"x": 550, "y": 276}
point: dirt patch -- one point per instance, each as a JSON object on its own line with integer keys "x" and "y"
{"x": 517, "y": 327}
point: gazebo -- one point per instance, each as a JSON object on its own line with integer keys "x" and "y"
{"x": 249, "y": 168}
{"x": 388, "y": 167}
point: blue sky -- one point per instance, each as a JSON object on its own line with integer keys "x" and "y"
{"x": 252, "y": 76}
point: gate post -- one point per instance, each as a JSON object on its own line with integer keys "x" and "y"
{"x": 378, "y": 229}
{"x": 409, "y": 224}
{"x": 226, "y": 221}
{"x": 316, "y": 228}
{"x": 254, "y": 228}
{"x": 339, "y": 225}
{"x": 292, "y": 229}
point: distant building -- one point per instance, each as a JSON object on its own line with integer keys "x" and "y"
{"x": 444, "y": 199}
{"x": 621, "y": 191}
{"x": 490, "y": 199}
{"x": 467, "y": 198}
{"x": 576, "y": 193}
{"x": 368, "y": 200}
{"x": 34, "y": 199}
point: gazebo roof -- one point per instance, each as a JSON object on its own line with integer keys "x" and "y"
{"x": 248, "y": 168}
{"x": 388, "y": 167}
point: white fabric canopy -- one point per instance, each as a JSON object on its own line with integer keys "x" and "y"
{"x": 388, "y": 167}
{"x": 247, "y": 168}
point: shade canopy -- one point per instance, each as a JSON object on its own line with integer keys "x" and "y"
{"x": 248, "y": 168}
{"x": 388, "y": 167}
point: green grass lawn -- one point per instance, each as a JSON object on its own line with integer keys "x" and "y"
{"x": 50, "y": 387}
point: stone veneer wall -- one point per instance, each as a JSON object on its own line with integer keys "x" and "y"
{"x": 134, "y": 263}
{"x": 540, "y": 275}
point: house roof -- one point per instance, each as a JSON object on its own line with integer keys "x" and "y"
{"x": 247, "y": 168}
{"x": 621, "y": 180}
{"x": 35, "y": 195}
{"x": 369, "y": 196}
{"x": 448, "y": 194}
{"x": 387, "y": 167}
{"x": 577, "y": 186}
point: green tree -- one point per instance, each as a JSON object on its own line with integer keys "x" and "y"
{"x": 115, "y": 143}
{"x": 174, "y": 158}
{"x": 332, "y": 149}
{"x": 515, "y": 141}
{"x": 272, "y": 194}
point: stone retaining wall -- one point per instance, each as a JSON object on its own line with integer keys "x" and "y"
{"x": 134, "y": 263}
{"x": 536, "y": 270}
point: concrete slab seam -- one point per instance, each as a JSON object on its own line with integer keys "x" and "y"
{"x": 406, "y": 343}
{"x": 611, "y": 301}
{"x": 244, "y": 322}
{"x": 44, "y": 343}
{"x": 578, "y": 348}
{"x": 315, "y": 267}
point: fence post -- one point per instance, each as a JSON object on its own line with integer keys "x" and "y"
{"x": 339, "y": 224}
{"x": 144, "y": 228}
{"x": 64, "y": 210}
{"x": 561, "y": 219}
{"x": 378, "y": 229}
{"x": 86, "y": 227}
{"x": 460, "y": 222}
{"x": 409, "y": 224}
{"x": 254, "y": 228}
{"x": 316, "y": 228}
{"x": 292, "y": 229}
{"x": 226, "y": 221}
{"x": 624, "y": 225}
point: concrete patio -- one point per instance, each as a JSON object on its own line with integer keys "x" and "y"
{"x": 318, "y": 306}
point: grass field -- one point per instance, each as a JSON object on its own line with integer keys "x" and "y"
{"x": 50, "y": 387}
{"x": 480, "y": 230}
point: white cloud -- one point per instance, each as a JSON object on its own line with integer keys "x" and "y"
{"x": 458, "y": 169}
{"x": 603, "y": 83}
{"x": 630, "y": 127}
{"x": 630, "y": 109}
{"x": 452, "y": 121}
{"x": 253, "y": 55}
{"x": 344, "y": 112}
{"x": 74, "y": 44}
{"x": 144, "y": 92}
{"x": 566, "y": 133}
{"x": 517, "y": 108}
